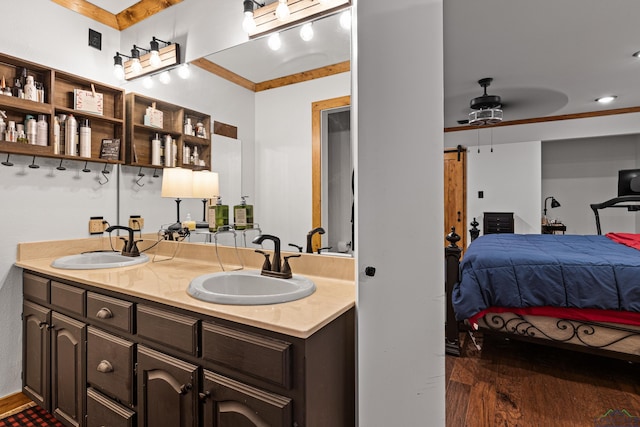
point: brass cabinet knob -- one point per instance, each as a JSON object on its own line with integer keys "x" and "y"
{"x": 105, "y": 367}
{"x": 104, "y": 313}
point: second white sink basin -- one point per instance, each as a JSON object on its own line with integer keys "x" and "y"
{"x": 97, "y": 260}
{"x": 248, "y": 287}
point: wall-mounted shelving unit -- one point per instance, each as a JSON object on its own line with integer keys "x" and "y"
{"x": 58, "y": 99}
{"x": 140, "y": 136}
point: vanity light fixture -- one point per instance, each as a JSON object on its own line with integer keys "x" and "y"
{"x": 606, "y": 99}
{"x": 282, "y": 11}
{"x": 277, "y": 15}
{"x": 151, "y": 62}
{"x": 306, "y": 31}
{"x": 636, "y": 54}
{"x": 147, "y": 82}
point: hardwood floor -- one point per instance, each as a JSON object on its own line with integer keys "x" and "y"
{"x": 513, "y": 383}
{"x": 13, "y": 403}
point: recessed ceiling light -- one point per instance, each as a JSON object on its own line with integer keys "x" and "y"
{"x": 637, "y": 54}
{"x": 606, "y": 99}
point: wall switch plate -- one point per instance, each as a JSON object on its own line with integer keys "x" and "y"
{"x": 95, "y": 39}
{"x": 480, "y": 194}
{"x": 97, "y": 225}
{"x": 136, "y": 222}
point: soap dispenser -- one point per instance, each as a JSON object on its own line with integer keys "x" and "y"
{"x": 243, "y": 214}
{"x": 188, "y": 223}
{"x": 220, "y": 215}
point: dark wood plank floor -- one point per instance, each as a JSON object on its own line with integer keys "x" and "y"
{"x": 513, "y": 383}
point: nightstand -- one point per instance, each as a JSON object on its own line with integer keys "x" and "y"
{"x": 553, "y": 228}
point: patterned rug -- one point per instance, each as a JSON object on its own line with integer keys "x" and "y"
{"x": 34, "y": 416}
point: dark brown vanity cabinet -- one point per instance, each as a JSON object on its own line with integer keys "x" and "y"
{"x": 167, "y": 390}
{"x": 99, "y": 358}
{"x": 53, "y": 356}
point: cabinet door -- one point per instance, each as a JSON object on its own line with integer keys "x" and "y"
{"x": 36, "y": 352}
{"x": 68, "y": 383}
{"x": 167, "y": 390}
{"x": 229, "y": 403}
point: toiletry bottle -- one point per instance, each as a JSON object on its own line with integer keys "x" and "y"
{"x": 200, "y": 130}
{"x": 31, "y": 129}
{"x": 56, "y": 135}
{"x": 156, "y": 151}
{"x": 222, "y": 214}
{"x": 42, "y": 131}
{"x": 85, "y": 138}
{"x": 211, "y": 216}
{"x": 17, "y": 88}
{"x": 70, "y": 131}
{"x": 11, "y": 134}
{"x": 174, "y": 152}
{"x": 188, "y": 223}
{"x": 29, "y": 89}
{"x": 188, "y": 128}
{"x": 243, "y": 215}
{"x": 196, "y": 156}
{"x": 168, "y": 146}
{"x": 3, "y": 126}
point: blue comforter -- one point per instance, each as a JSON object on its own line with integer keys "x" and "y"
{"x": 529, "y": 270}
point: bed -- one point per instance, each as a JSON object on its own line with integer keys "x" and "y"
{"x": 578, "y": 292}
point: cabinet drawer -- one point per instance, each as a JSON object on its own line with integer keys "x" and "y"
{"x": 261, "y": 357}
{"x": 110, "y": 311}
{"x": 67, "y": 297}
{"x": 35, "y": 288}
{"x": 170, "y": 329}
{"x": 110, "y": 364}
{"x": 102, "y": 411}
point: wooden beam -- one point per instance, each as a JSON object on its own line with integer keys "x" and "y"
{"x": 91, "y": 11}
{"x": 329, "y": 70}
{"x": 225, "y": 129}
{"x": 213, "y": 68}
{"x": 142, "y": 10}
{"x": 586, "y": 115}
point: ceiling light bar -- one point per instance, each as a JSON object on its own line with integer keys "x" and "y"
{"x": 266, "y": 18}
{"x": 606, "y": 99}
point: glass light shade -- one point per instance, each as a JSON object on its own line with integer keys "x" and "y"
{"x": 205, "y": 184}
{"x": 165, "y": 77}
{"x": 282, "y": 11}
{"x": 177, "y": 182}
{"x": 274, "y": 41}
{"x": 136, "y": 66}
{"x": 154, "y": 58}
{"x": 306, "y": 32}
{"x": 118, "y": 71}
{"x": 248, "y": 24}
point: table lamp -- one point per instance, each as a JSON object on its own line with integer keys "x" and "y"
{"x": 177, "y": 183}
{"x": 205, "y": 186}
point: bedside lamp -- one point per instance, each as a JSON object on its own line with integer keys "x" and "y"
{"x": 205, "y": 186}
{"x": 177, "y": 183}
{"x": 554, "y": 204}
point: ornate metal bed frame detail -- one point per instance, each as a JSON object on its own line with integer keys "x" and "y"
{"x": 590, "y": 337}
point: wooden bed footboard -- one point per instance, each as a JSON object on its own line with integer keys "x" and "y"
{"x": 452, "y": 255}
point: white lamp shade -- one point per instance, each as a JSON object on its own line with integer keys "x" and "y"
{"x": 205, "y": 184}
{"x": 177, "y": 182}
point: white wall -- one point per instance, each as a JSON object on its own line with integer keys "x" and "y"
{"x": 510, "y": 179}
{"x": 579, "y": 172}
{"x": 44, "y": 203}
{"x": 283, "y": 155}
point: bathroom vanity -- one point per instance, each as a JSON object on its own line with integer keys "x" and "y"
{"x": 129, "y": 347}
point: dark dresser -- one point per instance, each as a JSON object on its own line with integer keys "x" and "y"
{"x": 498, "y": 222}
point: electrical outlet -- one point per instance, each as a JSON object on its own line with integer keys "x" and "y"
{"x": 97, "y": 225}
{"x": 136, "y": 222}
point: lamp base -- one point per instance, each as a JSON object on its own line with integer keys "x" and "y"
{"x": 202, "y": 224}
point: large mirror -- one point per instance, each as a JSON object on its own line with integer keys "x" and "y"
{"x": 268, "y": 95}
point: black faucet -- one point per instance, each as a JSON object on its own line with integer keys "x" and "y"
{"x": 130, "y": 247}
{"x": 310, "y": 234}
{"x": 274, "y": 268}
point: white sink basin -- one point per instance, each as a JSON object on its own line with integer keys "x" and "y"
{"x": 248, "y": 287}
{"x": 96, "y": 260}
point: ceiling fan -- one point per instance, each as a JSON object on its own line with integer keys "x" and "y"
{"x": 487, "y": 109}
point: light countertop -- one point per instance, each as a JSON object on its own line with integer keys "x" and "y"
{"x": 165, "y": 278}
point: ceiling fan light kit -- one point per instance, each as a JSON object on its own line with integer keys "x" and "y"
{"x": 487, "y": 109}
